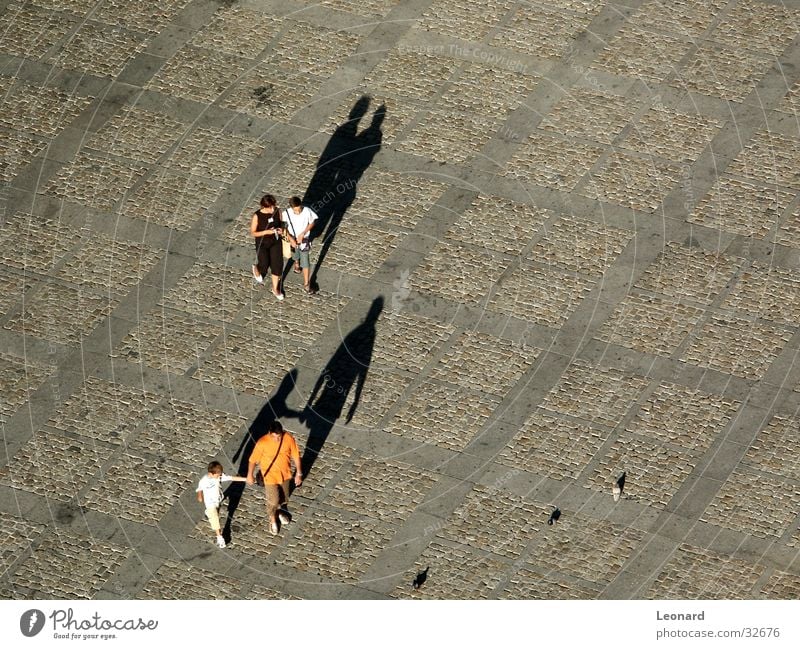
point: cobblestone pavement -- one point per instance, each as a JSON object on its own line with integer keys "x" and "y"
{"x": 558, "y": 245}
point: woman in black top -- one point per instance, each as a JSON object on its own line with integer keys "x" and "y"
{"x": 266, "y": 227}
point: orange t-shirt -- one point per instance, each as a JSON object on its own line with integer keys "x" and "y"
{"x": 265, "y": 450}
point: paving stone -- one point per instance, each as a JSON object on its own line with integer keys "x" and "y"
{"x": 758, "y": 26}
{"x": 104, "y": 411}
{"x": 459, "y": 94}
{"x": 138, "y": 488}
{"x": 89, "y": 563}
{"x": 387, "y": 490}
{"x": 458, "y": 272}
{"x": 214, "y": 154}
{"x": 411, "y": 75}
{"x": 491, "y": 520}
{"x": 775, "y": 449}
{"x": 268, "y": 93}
{"x": 588, "y": 113}
{"x": 17, "y": 542}
{"x": 650, "y": 325}
{"x": 363, "y": 7}
{"x": 76, "y": 312}
{"x": 198, "y": 73}
{"x": 361, "y": 260}
{"x": 741, "y": 207}
{"x": 212, "y": 289}
{"x": 173, "y": 200}
{"x": 160, "y": 338}
{"x": 238, "y": 31}
{"x": 39, "y": 465}
{"x": 534, "y": 584}
{"x": 632, "y": 181}
{"x": 294, "y": 317}
{"x": 399, "y": 342}
{"x": 99, "y": 49}
{"x": 581, "y": 547}
{"x": 139, "y": 15}
{"x": 771, "y": 158}
{"x": 401, "y": 200}
{"x": 737, "y": 346}
{"x": 380, "y": 391}
{"x": 555, "y": 447}
{"x": 19, "y": 378}
{"x": 512, "y": 225}
{"x": 689, "y": 273}
{"x": 552, "y": 161}
{"x": 470, "y": 20}
{"x": 453, "y": 573}
{"x": 580, "y": 245}
{"x": 186, "y": 432}
{"x": 259, "y": 592}
{"x": 477, "y": 361}
{"x": 15, "y": 287}
{"x": 726, "y": 73}
{"x": 38, "y": 110}
{"x": 16, "y": 151}
{"x": 336, "y": 545}
{"x": 791, "y": 101}
{"x": 240, "y": 362}
{"x": 177, "y": 580}
{"x": 32, "y": 30}
{"x": 540, "y": 33}
{"x": 137, "y": 134}
{"x": 596, "y": 394}
{"x": 696, "y": 573}
{"x": 788, "y": 233}
{"x": 80, "y": 7}
{"x": 688, "y": 418}
{"x": 752, "y": 503}
{"x": 442, "y": 414}
{"x": 449, "y": 136}
{"x": 769, "y": 292}
{"x": 654, "y": 472}
{"x": 781, "y": 585}
{"x": 671, "y": 135}
{"x": 395, "y": 114}
{"x": 95, "y": 180}
{"x": 643, "y": 54}
{"x": 546, "y": 297}
{"x": 683, "y": 17}
{"x": 320, "y": 50}
{"x": 108, "y": 265}
{"x": 327, "y": 463}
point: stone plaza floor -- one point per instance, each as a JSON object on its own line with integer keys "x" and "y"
{"x": 558, "y": 243}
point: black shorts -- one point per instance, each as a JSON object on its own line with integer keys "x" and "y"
{"x": 270, "y": 257}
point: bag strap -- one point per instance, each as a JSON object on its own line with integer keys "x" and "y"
{"x": 264, "y": 473}
{"x": 291, "y": 225}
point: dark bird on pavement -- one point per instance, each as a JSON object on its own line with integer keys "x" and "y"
{"x": 619, "y": 486}
{"x": 554, "y": 516}
{"x": 420, "y": 578}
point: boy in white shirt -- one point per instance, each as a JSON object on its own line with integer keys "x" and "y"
{"x": 209, "y": 492}
{"x": 299, "y": 221}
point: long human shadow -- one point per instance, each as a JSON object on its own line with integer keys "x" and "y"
{"x": 333, "y": 187}
{"x": 274, "y": 408}
{"x": 345, "y": 371}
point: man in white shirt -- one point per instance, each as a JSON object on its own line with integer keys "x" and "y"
{"x": 299, "y": 220}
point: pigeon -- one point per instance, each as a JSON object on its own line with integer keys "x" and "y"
{"x": 619, "y": 485}
{"x": 554, "y": 516}
{"x": 420, "y": 578}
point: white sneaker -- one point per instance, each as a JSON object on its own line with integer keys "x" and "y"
{"x": 257, "y": 275}
{"x": 273, "y": 527}
{"x": 220, "y": 542}
{"x": 278, "y": 296}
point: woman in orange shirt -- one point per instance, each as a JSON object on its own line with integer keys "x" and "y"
{"x": 274, "y": 453}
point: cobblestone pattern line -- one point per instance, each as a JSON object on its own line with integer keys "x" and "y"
{"x": 212, "y": 290}
{"x": 469, "y": 20}
{"x": 587, "y": 113}
{"x": 672, "y": 135}
{"x": 753, "y": 503}
{"x": 682, "y": 17}
{"x": 650, "y": 325}
{"x": 138, "y": 134}
{"x": 441, "y": 415}
{"x": 38, "y": 110}
{"x": 232, "y": 31}
{"x": 214, "y": 154}
{"x": 399, "y": 342}
{"x": 788, "y": 233}
{"x": 552, "y": 446}
{"x": 485, "y": 363}
{"x": 642, "y": 54}
{"x": 517, "y": 84}
{"x": 176, "y": 580}
{"x": 737, "y": 346}
{"x": 18, "y": 540}
{"x": 535, "y": 584}
{"x": 541, "y": 33}
{"x": 696, "y": 573}
{"x": 758, "y": 26}
{"x": 689, "y": 273}
{"x": 16, "y": 286}
{"x": 77, "y": 314}
{"x": 19, "y": 378}
{"x": 141, "y": 16}
{"x": 781, "y": 585}
{"x": 30, "y": 31}
{"x": 88, "y": 562}
{"x": 769, "y": 292}
{"x": 101, "y": 50}
{"x": 726, "y": 73}
{"x": 327, "y": 463}
{"x": 596, "y": 394}
{"x": 776, "y": 449}
{"x": 449, "y": 136}
{"x": 771, "y": 158}
{"x": 320, "y": 51}
{"x": 16, "y": 151}
{"x": 552, "y": 161}
{"x": 274, "y": 94}
{"x": 104, "y": 411}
